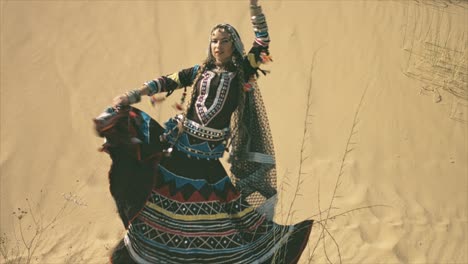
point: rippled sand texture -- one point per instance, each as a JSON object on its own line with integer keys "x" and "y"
{"x": 367, "y": 100}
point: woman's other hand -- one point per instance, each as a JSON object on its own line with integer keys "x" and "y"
{"x": 253, "y": 2}
{"x": 121, "y": 100}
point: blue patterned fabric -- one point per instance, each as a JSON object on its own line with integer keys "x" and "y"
{"x": 204, "y": 150}
{"x": 192, "y": 221}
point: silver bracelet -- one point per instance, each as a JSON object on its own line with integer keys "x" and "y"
{"x": 258, "y": 19}
{"x": 152, "y": 87}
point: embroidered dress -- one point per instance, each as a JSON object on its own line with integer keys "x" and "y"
{"x": 197, "y": 221}
{"x": 193, "y": 212}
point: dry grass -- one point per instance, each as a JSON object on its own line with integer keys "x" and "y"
{"x": 31, "y": 227}
{"x": 322, "y": 219}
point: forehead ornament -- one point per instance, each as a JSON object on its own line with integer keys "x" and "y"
{"x": 234, "y": 36}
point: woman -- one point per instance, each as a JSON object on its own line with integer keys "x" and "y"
{"x": 181, "y": 207}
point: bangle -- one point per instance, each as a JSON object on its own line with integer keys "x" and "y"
{"x": 134, "y": 96}
{"x": 152, "y": 87}
{"x": 258, "y": 19}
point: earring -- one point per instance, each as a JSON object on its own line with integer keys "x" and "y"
{"x": 234, "y": 61}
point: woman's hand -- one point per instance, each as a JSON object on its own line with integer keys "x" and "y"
{"x": 253, "y": 2}
{"x": 121, "y": 100}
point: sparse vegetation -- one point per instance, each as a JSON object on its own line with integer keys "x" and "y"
{"x": 322, "y": 218}
{"x": 30, "y": 228}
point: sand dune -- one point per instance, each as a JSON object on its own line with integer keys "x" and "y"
{"x": 387, "y": 120}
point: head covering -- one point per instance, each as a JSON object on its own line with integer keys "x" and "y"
{"x": 252, "y": 154}
{"x": 234, "y": 35}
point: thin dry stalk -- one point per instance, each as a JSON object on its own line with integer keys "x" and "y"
{"x": 305, "y": 132}
{"x": 347, "y": 150}
{"x": 324, "y": 227}
{"x": 333, "y": 217}
{"x": 322, "y": 238}
{"x": 23, "y": 248}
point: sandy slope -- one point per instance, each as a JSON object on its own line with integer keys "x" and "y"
{"x": 62, "y": 63}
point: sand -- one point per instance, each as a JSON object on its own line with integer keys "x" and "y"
{"x": 385, "y": 121}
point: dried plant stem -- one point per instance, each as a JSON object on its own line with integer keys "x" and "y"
{"x": 347, "y": 150}
{"x": 323, "y": 227}
{"x": 304, "y": 136}
{"x": 23, "y": 248}
{"x": 352, "y": 210}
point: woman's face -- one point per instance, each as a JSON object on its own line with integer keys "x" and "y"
{"x": 221, "y": 46}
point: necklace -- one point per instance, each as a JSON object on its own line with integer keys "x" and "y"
{"x": 219, "y": 69}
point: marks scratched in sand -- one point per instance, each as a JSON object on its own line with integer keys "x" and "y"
{"x": 439, "y": 68}
{"x": 459, "y": 111}
{"x": 443, "y": 3}
{"x": 435, "y": 46}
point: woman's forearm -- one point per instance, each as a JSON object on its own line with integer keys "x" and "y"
{"x": 259, "y": 24}
{"x": 144, "y": 89}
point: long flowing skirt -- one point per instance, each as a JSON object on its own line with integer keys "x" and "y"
{"x": 193, "y": 212}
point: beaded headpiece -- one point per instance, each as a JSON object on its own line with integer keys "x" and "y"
{"x": 252, "y": 156}
{"x": 234, "y": 35}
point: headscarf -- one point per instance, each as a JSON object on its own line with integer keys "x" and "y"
{"x": 252, "y": 155}
{"x": 236, "y": 40}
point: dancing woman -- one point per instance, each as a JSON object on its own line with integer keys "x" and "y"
{"x": 175, "y": 198}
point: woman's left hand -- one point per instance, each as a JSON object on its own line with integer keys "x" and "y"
{"x": 121, "y": 100}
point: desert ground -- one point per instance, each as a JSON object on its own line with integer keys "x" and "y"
{"x": 367, "y": 102}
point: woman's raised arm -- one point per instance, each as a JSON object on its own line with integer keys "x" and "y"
{"x": 259, "y": 53}
{"x": 259, "y": 24}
